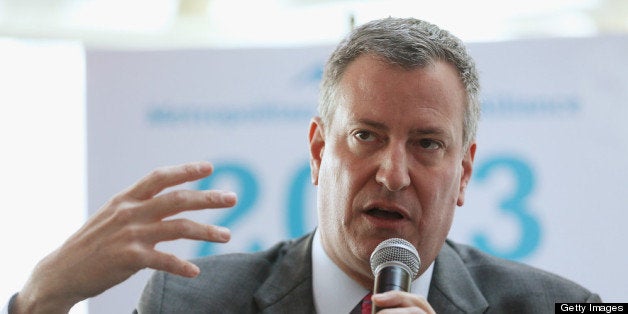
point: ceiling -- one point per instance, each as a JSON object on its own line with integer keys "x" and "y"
{"x": 229, "y": 23}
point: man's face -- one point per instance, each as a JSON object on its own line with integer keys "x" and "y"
{"x": 390, "y": 163}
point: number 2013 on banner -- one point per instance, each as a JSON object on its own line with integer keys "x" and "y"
{"x": 514, "y": 203}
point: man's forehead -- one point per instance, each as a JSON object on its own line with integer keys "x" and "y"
{"x": 370, "y": 78}
{"x": 379, "y": 94}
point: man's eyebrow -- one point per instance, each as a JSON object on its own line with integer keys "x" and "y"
{"x": 372, "y": 123}
{"x": 430, "y": 130}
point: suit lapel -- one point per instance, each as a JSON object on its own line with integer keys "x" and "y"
{"x": 289, "y": 287}
{"x": 453, "y": 290}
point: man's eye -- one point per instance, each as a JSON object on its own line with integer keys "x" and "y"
{"x": 365, "y": 136}
{"x": 429, "y": 144}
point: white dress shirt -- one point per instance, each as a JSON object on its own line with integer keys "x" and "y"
{"x": 335, "y": 292}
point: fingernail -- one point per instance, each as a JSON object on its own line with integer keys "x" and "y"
{"x": 224, "y": 233}
{"x": 380, "y": 297}
{"x": 228, "y": 197}
{"x": 193, "y": 270}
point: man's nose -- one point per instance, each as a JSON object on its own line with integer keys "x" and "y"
{"x": 393, "y": 170}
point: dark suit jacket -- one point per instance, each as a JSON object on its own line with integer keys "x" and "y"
{"x": 279, "y": 280}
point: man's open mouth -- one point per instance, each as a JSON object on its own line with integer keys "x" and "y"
{"x": 383, "y": 213}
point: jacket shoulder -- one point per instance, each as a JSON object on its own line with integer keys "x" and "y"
{"x": 505, "y": 281}
{"x": 227, "y": 282}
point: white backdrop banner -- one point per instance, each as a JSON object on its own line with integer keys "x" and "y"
{"x": 549, "y": 179}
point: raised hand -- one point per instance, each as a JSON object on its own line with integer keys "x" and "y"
{"x": 120, "y": 240}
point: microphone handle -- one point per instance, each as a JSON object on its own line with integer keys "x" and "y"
{"x": 391, "y": 278}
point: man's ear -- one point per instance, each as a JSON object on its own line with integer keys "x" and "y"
{"x": 467, "y": 170}
{"x": 317, "y": 146}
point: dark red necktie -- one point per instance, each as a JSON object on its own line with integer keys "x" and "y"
{"x": 366, "y": 304}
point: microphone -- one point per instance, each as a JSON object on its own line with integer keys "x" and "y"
{"x": 395, "y": 263}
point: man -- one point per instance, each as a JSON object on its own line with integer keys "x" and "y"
{"x": 391, "y": 153}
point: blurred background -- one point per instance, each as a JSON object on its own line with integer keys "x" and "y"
{"x": 219, "y": 23}
{"x": 42, "y": 79}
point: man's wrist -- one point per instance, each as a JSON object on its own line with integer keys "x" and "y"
{"x": 24, "y": 303}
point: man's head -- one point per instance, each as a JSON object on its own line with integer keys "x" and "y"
{"x": 393, "y": 150}
{"x": 409, "y": 43}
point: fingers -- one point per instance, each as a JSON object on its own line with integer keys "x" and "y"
{"x": 135, "y": 218}
{"x": 164, "y": 177}
{"x": 179, "y": 229}
{"x": 401, "y": 302}
{"x": 175, "y": 202}
{"x": 172, "y": 264}
{"x": 151, "y": 207}
{"x": 185, "y": 229}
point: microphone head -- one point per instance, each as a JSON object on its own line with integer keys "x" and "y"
{"x": 395, "y": 251}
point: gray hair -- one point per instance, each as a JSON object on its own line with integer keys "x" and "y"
{"x": 409, "y": 43}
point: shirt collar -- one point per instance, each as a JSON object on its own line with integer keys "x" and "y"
{"x": 335, "y": 292}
